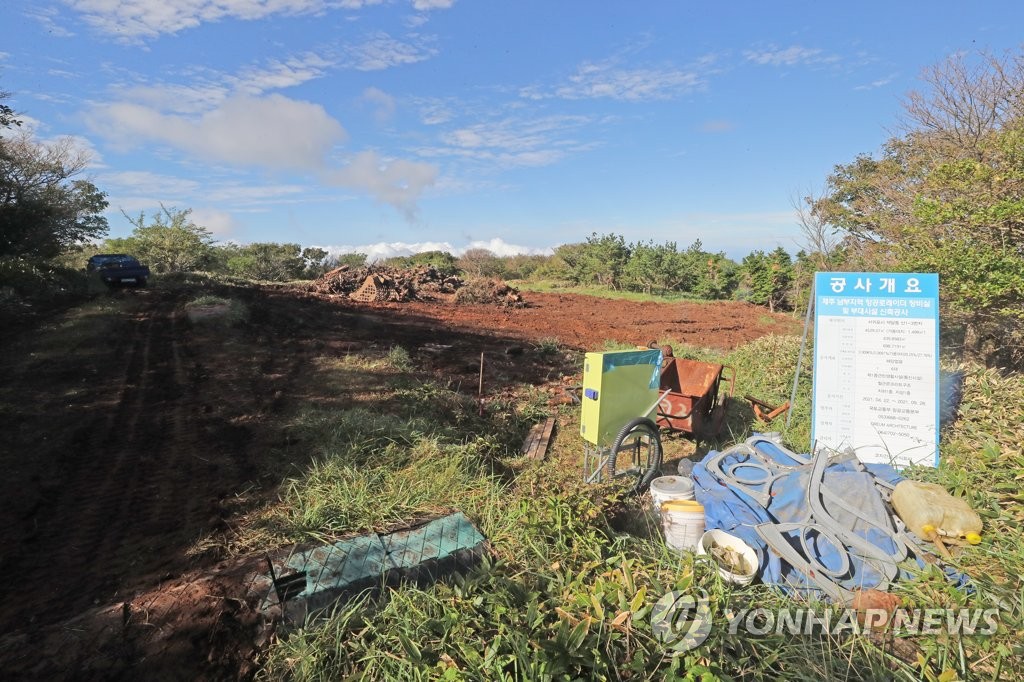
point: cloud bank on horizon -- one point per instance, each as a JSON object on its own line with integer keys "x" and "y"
{"x": 382, "y": 250}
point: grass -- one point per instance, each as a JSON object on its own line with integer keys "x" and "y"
{"x": 548, "y": 346}
{"x": 223, "y": 311}
{"x": 566, "y": 593}
{"x": 79, "y": 330}
{"x": 551, "y": 286}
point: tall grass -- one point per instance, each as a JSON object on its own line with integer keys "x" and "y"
{"x": 565, "y": 593}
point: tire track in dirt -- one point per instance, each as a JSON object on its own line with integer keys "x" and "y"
{"x": 130, "y": 490}
{"x": 85, "y": 508}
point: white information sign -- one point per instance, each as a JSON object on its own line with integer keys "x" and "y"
{"x": 876, "y": 366}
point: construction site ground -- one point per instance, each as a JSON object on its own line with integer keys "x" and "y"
{"x": 131, "y": 432}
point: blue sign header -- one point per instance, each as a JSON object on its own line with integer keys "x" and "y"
{"x": 892, "y": 294}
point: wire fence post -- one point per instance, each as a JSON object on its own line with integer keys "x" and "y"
{"x": 800, "y": 357}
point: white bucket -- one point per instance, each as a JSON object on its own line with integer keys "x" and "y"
{"x": 720, "y": 538}
{"x": 683, "y": 523}
{"x": 668, "y": 488}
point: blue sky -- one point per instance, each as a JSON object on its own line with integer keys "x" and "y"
{"x": 392, "y": 126}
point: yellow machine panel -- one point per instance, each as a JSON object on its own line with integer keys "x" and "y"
{"x": 618, "y": 386}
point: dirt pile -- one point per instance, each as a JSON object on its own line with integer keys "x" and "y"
{"x": 424, "y": 282}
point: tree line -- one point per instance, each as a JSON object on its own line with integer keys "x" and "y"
{"x": 944, "y": 194}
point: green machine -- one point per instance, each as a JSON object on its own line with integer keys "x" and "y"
{"x": 620, "y": 392}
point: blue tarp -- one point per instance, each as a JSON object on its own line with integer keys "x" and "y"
{"x": 732, "y": 510}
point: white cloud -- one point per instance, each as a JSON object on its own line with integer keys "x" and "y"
{"x": 47, "y": 17}
{"x": 146, "y": 182}
{"x": 396, "y": 182}
{"x": 134, "y": 191}
{"x": 514, "y": 142}
{"x": 135, "y": 20}
{"x": 381, "y": 250}
{"x": 789, "y": 56}
{"x": 213, "y": 121}
{"x": 499, "y": 247}
{"x": 75, "y": 146}
{"x": 435, "y": 112}
{"x": 717, "y": 126}
{"x": 182, "y": 99}
{"x": 881, "y": 82}
{"x": 382, "y": 51}
{"x": 279, "y": 74}
{"x": 427, "y": 5}
{"x": 273, "y": 131}
{"x": 607, "y": 80}
{"x": 220, "y": 223}
{"x": 249, "y": 194}
{"x": 210, "y": 88}
{"x": 383, "y": 102}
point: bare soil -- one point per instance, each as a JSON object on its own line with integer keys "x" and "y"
{"x": 122, "y": 448}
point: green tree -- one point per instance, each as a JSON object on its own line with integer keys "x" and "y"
{"x": 712, "y": 275}
{"x": 657, "y": 267}
{"x": 480, "y": 263}
{"x": 352, "y": 260}
{"x": 266, "y": 261}
{"x": 564, "y": 264}
{"x": 170, "y": 242}
{"x": 521, "y": 266}
{"x": 7, "y": 115}
{"x": 44, "y": 210}
{"x": 315, "y": 260}
{"x": 444, "y": 262}
{"x": 765, "y": 279}
{"x": 947, "y": 196}
{"x": 599, "y": 260}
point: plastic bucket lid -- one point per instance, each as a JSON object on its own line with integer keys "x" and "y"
{"x": 669, "y": 487}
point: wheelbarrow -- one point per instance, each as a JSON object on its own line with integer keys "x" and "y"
{"x": 693, "y": 403}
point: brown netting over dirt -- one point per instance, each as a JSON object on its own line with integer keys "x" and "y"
{"x": 381, "y": 284}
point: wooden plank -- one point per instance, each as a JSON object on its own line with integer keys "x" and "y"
{"x": 536, "y": 444}
{"x": 542, "y": 446}
{"x": 532, "y": 437}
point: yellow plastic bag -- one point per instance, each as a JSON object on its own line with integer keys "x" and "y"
{"x": 934, "y": 514}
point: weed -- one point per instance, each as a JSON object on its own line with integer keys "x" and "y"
{"x": 548, "y": 346}
{"x": 612, "y": 344}
{"x": 399, "y": 359}
{"x": 208, "y": 309}
{"x": 207, "y": 301}
{"x": 567, "y": 596}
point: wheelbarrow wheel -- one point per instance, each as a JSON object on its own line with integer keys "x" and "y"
{"x": 636, "y": 453}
